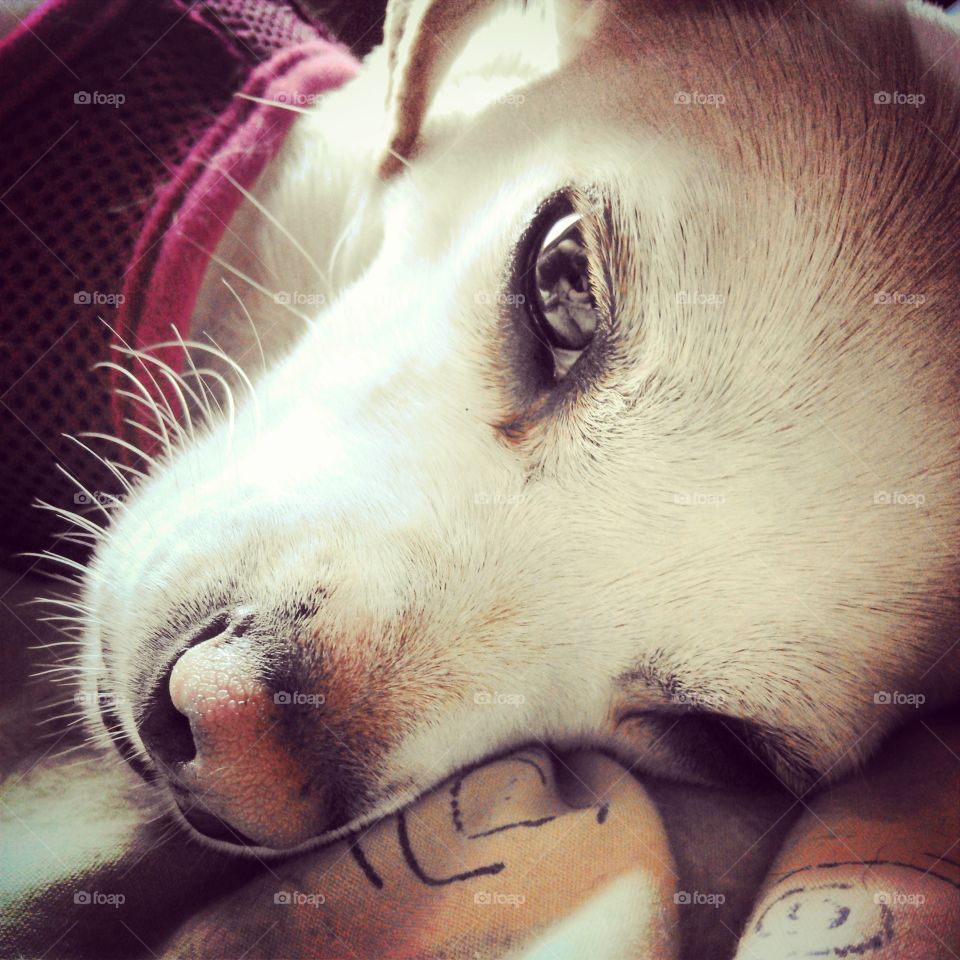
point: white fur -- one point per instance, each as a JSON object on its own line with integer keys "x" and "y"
{"x": 782, "y": 592}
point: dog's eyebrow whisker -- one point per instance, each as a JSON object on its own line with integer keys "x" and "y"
{"x": 272, "y": 219}
{"x": 259, "y": 287}
{"x": 253, "y": 326}
{"x": 348, "y": 228}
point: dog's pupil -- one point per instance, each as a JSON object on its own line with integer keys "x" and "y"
{"x": 564, "y": 260}
{"x": 565, "y": 303}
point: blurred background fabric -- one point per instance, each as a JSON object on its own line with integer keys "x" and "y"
{"x": 77, "y": 180}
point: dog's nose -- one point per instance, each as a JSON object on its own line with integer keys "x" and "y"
{"x": 213, "y": 727}
{"x": 164, "y": 730}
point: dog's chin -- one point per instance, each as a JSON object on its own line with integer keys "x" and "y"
{"x": 212, "y": 831}
{"x": 211, "y": 827}
{"x": 215, "y": 833}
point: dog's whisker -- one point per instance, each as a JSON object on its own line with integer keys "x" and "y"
{"x": 76, "y": 606}
{"x": 94, "y": 500}
{"x": 199, "y": 374}
{"x": 109, "y": 464}
{"x": 242, "y": 374}
{"x": 56, "y": 558}
{"x": 178, "y": 383}
{"x": 74, "y": 633}
{"x": 143, "y": 428}
{"x": 69, "y": 668}
{"x": 253, "y": 326}
{"x": 57, "y": 704}
{"x": 78, "y": 540}
{"x": 145, "y": 398}
{"x": 214, "y": 349}
{"x": 74, "y": 716}
{"x": 228, "y": 398}
{"x": 76, "y": 663}
{"x": 273, "y": 103}
{"x": 60, "y": 578}
{"x": 164, "y": 404}
{"x": 73, "y": 748}
{"x": 126, "y": 445}
{"x": 259, "y": 287}
{"x": 348, "y": 229}
{"x": 271, "y": 218}
{"x": 162, "y": 417}
{"x": 206, "y": 392}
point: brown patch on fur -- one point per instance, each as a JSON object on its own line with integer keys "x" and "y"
{"x": 376, "y": 684}
{"x": 515, "y": 427}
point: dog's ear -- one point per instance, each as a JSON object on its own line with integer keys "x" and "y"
{"x": 422, "y": 40}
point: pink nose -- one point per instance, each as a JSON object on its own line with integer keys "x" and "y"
{"x": 241, "y": 771}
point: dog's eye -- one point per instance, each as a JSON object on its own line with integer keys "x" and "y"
{"x": 558, "y": 294}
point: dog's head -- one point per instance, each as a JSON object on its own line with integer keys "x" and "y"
{"x": 635, "y": 424}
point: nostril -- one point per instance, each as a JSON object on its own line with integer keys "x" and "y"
{"x": 165, "y": 731}
{"x": 217, "y": 624}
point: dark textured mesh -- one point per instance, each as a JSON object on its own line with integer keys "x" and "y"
{"x": 76, "y": 182}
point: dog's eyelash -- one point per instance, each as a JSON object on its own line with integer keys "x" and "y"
{"x": 598, "y": 230}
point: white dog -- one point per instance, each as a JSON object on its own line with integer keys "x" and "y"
{"x": 624, "y": 413}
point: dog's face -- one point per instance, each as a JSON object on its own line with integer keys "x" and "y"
{"x": 639, "y": 409}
